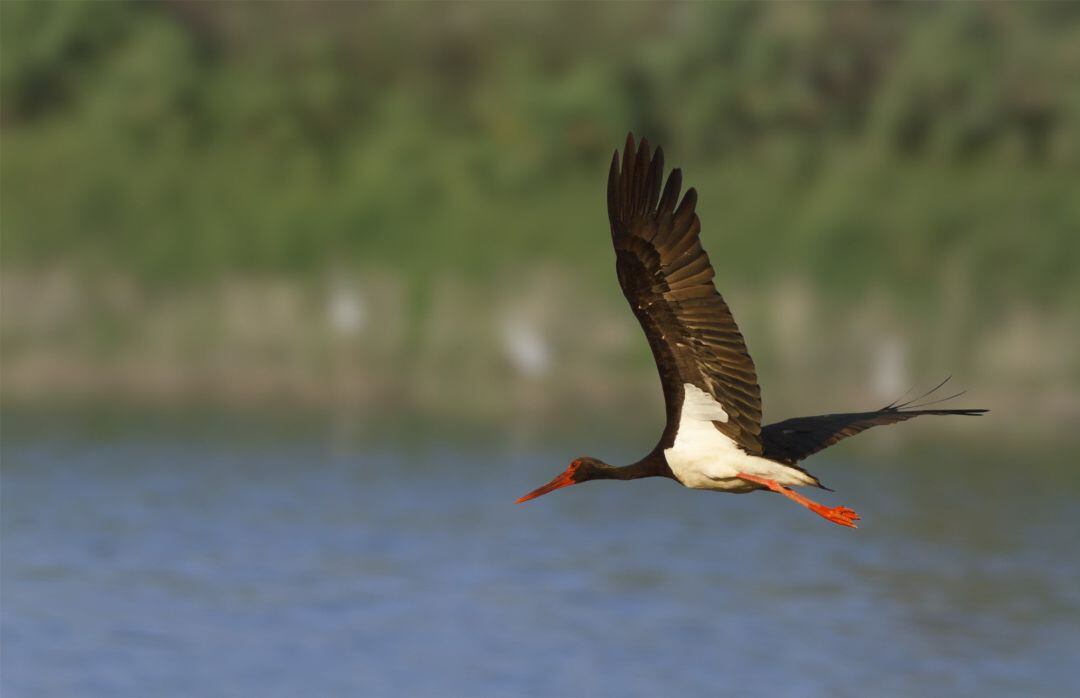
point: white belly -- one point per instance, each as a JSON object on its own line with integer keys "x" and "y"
{"x": 703, "y": 458}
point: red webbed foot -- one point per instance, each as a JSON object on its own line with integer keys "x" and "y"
{"x": 841, "y": 516}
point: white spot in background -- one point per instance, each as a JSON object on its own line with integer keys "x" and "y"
{"x": 525, "y": 346}
{"x": 346, "y": 311}
{"x": 890, "y": 369}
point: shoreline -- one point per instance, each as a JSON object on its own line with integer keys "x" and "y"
{"x": 544, "y": 349}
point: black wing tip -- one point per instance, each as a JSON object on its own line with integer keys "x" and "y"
{"x": 960, "y": 411}
{"x": 631, "y": 179}
{"x": 968, "y": 412}
{"x": 633, "y": 149}
{"x": 634, "y": 145}
{"x": 914, "y": 406}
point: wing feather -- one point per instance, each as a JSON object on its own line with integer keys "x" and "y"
{"x": 792, "y": 440}
{"x": 666, "y": 277}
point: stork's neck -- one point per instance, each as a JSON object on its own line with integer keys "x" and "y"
{"x": 652, "y": 465}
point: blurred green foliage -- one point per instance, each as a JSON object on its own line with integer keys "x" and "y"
{"x": 854, "y": 143}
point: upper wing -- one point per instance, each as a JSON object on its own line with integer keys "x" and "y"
{"x": 667, "y": 278}
{"x": 792, "y": 440}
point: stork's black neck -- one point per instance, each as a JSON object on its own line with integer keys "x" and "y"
{"x": 652, "y": 465}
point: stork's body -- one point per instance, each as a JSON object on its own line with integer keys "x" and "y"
{"x": 703, "y": 458}
{"x": 713, "y": 438}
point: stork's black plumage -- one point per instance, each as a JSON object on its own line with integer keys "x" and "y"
{"x": 668, "y": 281}
{"x": 793, "y": 439}
{"x": 713, "y": 438}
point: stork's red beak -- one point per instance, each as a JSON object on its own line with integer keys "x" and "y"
{"x": 562, "y": 480}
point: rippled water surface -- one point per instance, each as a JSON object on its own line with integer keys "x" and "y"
{"x": 140, "y": 564}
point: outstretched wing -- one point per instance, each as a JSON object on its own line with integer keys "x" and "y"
{"x": 666, "y": 276}
{"x": 792, "y": 440}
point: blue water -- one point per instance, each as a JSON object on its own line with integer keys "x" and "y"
{"x": 157, "y": 565}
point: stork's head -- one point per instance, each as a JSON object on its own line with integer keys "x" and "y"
{"x": 580, "y": 470}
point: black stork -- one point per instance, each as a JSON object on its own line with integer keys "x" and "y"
{"x": 714, "y": 439}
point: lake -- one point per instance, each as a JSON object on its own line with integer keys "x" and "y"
{"x": 251, "y": 559}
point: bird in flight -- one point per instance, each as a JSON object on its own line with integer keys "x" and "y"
{"x": 713, "y": 439}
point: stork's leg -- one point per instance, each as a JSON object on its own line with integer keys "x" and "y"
{"x": 841, "y": 516}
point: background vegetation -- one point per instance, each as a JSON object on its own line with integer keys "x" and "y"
{"x": 921, "y": 159}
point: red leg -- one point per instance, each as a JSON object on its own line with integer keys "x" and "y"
{"x": 841, "y": 516}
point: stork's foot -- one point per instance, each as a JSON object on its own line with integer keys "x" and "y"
{"x": 841, "y": 516}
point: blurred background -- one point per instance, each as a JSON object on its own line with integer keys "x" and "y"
{"x": 297, "y": 297}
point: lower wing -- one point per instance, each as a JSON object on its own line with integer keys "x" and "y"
{"x": 793, "y": 439}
